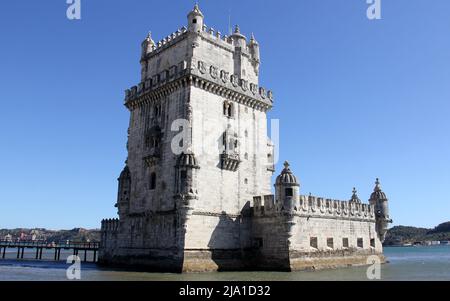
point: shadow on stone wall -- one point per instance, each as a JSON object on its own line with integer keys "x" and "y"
{"x": 224, "y": 244}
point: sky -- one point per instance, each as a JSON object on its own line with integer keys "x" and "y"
{"x": 356, "y": 99}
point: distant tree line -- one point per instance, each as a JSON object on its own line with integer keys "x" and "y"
{"x": 403, "y": 234}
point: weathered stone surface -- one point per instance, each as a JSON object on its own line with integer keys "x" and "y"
{"x": 195, "y": 194}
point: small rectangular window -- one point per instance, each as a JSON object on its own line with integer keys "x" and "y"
{"x": 359, "y": 243}
{"x": 289, "y": 192}
{"x": 330, "y": 243}
{"x": 313, "y": 242}
{"x": 372, "y": 242}
{"x": 345, "y": 242}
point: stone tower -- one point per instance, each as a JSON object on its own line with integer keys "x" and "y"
{"x": 197, "y": 149}
{"x": 195, "y": 193}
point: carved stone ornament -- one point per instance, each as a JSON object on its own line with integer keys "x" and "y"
{"x": 253, "y": 88}
{"x": 224, "y": 75}
{"x": 244, "y": 84}
{"x": 234, "y": 80}
{"x": 213, "y": 71}
{"x": 201, "y": 67}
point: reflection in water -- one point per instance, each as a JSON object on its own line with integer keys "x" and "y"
{"x": 406, "y": 263}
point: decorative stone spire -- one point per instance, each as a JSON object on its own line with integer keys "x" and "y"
{"x": 377, "y": 193}
{"x": 196, "y": 10}
{"x": 195, "y": 19}
{"x": 377, "y": 185}
{"x": 147, "y": 45}
{"x": 252, "y": 39}
{"x": 355, "y": 197}
{"x": 149, "y": 38}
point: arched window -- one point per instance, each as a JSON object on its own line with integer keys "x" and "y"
{"x": 152, "y": 181}
{"x": 228, "y": 109}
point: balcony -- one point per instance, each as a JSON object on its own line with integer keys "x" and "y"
{"x": 229, "y": 161}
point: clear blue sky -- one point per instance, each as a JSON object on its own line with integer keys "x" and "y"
{"x": 356, "y": 99}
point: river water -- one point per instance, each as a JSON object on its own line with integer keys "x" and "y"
{"x": 405, "y": 263}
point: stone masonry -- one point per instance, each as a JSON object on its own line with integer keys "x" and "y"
{"x": 195, "y": 193}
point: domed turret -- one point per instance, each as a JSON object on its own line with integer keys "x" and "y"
{"x": 286, "y": 190}
{"x": 123, "y": 196}
{"x": 379, "y": 201}
{"x": 286, "y": 176}
{"x": 147, "y": 45}
{"x": 377, "y": 193}
{"x": 195, "y": 19}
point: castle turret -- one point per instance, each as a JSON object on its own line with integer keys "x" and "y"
{"x": 123, "y": 196}
{"x": 147, "y": 45}
{"x": 254, "y": 48}
{"x": 379, "y": 201}
{"x": 286, "y": 190}
{"x": 195, "y": 19}
{"x": 239, "y": 39}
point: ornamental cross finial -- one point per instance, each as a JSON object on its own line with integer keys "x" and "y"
{"x": 286, "y": 164}
{"x": 377, "y": 185}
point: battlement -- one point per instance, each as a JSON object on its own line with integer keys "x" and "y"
{"x": 213, "y": 79}
{"x": 315, "y": 206}
{"x": 110, "y": 225}
{"x": 166, "y": 42}
{"x": 225, "y": 41}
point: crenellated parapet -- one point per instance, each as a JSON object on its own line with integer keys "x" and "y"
{"x": 168, "y": 41}
{"x": 201, "y": 75}
{"x": 110, "y": 225}
{"x": 234, "y": 80}
{"x": 312, "y": 206}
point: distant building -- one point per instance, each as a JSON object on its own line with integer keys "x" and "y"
{"x": 433, "y": 243}
{"x": 8, "y": 237}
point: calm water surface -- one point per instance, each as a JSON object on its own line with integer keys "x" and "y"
{"x": 405, "y": 263}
